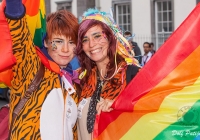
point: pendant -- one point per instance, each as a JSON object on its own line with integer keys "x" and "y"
{"x": 102, "y": 82}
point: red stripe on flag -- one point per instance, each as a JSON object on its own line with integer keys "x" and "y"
{"x": 7, "y": 58}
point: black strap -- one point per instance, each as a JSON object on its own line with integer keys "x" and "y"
{"x": 131, "y": 72}
{"x": 145, "y": 61}
{"x": 32, "y": 87}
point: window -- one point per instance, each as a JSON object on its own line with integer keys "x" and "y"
{"x": 83, "y": 5}
{"x": 163, "y": 21}
{"x": 64, "y": 6}
{"x": 48, "y": 6}
{"x": 123, "y": 16}
{"x": 122, "y": 13}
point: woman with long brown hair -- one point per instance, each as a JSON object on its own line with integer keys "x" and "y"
{"x": 106, "y": 67}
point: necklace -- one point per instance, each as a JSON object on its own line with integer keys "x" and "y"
{"x": 99, "y": 79}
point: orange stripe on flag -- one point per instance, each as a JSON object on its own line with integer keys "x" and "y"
{"x": 32, "y": 7}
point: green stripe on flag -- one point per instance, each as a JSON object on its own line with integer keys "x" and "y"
{"x": 187, "y": 126}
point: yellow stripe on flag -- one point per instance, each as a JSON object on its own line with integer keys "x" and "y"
{"x": 32, "y": 23}
{"x": 42, "y": 8}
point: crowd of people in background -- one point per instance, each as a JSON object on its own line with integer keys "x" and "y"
{"x": 148, "y": 48}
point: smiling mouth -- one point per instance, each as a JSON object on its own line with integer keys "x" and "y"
{"x": 64, "y": 56}
{"x": 95, "y": 51}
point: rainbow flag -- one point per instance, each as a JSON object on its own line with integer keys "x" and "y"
{"x": 163, "y": 101}
{"x": 36, "y": 19}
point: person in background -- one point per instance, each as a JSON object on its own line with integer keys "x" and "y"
{"x": 152, "y": 48}
{"x": 147, "y": 53}
{"x": 105, "y": 73}
{"x": 128, "y": 35}
{"x": 50, "y": 113}
{"x": 130, "y": 48}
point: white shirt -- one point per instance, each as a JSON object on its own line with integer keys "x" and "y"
{"x": 146, "y": 58}
{"x": 58, "y": 114}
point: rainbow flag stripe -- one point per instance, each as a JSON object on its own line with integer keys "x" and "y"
{"x": 163, "y": 101}
{"x": 36, "y": 18}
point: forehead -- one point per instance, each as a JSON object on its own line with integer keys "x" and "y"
{"x": 146, "y": 46}
{"x": 127, "y": 35}
{"x": 57, "y": 36}
{"x": 93, "y": 30}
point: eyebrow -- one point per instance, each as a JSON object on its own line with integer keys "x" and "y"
{"x": 93, "y": 34}
{"x": 58, "y": 38}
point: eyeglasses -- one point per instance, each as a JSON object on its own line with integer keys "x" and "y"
{"x": 96, "y": 37}
{"x": 59, "y": 43}
{"x": 146, "y": 46}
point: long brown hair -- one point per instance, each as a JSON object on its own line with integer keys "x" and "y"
{"x": 85, "y": 61}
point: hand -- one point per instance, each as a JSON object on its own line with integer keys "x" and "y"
{"x": 14, "y": 8}
{"x": 104, "y": 105}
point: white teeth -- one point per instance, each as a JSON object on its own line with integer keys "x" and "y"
{"x": 96, "y": 51}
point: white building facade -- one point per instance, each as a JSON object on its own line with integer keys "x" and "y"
{"x": 150, "y": 20}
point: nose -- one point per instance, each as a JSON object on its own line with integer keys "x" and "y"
{"x": 92, "y": 43}
{"x": 65, "y": 48}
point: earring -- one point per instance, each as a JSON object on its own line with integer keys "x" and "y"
{"x": 83, "y": 73}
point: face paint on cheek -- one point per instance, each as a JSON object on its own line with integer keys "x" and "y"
{"x": 103, "y": 40}
{"x": 54, "y": 47}
{"x": 105, "y": 36}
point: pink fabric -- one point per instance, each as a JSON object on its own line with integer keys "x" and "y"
{"x": 4, "y": 121}
{"x": 71, "y": 77}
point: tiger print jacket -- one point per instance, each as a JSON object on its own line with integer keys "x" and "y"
{"x": 50, "y": 113}
{"x": 109, "y": 90}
